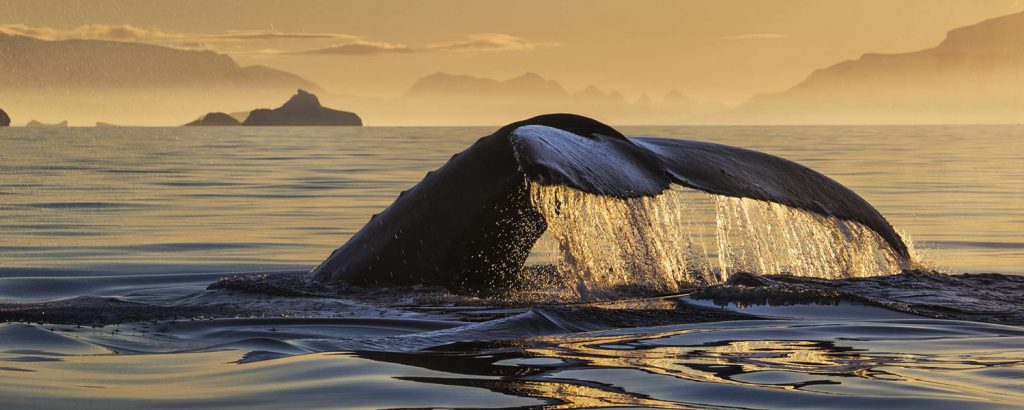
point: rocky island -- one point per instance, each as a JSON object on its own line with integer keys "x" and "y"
{"x": 215, "y": 119}
{"x": 5, "y": 121}
{"x": 303, "y": 109}
{"x": 34, "y": 123}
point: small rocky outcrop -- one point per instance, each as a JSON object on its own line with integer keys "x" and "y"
{"x": 303, "y": 109}
{"x": 5, "y": 121}
{"x": 34, "y": 123}
{"x": 215, "y": 119}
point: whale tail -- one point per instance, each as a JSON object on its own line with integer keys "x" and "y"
{"x": 472, "y": 222}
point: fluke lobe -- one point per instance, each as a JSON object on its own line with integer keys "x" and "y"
{"x": 470, "y": 224}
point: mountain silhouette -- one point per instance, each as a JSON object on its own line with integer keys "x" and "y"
{"x": 594, "y": 94}
{"x": 975, "y": 75}
{"x": 215, "y": 119}
{"x": 5, "y": 120}
{"x": 37, "y": 124}
{"x": 446, "y": 85}
{"x": 31, "y": 63}
{"x": 448, "y": 99}
{"x": 124, "y": 82}
{"x": 527, "y": 86}
{"x": 303, "y": 109}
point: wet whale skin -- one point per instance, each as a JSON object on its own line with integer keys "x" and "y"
{"x": 470, "y": 223}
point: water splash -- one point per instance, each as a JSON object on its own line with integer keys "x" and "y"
{"x": 770, "y": 238}
{"x": 600, "y": 246}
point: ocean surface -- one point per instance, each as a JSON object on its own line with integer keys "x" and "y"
{"x": 110, "y": 239}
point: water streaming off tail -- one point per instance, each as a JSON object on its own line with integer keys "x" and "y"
{"x": 600, "y": 244}
{"x": 683, "y": 238}
{"x": 770, "y": 238}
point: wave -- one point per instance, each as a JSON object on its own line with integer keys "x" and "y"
{"x": 988, "y": 297}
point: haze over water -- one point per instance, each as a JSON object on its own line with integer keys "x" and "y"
{"x": 173, "y": 200}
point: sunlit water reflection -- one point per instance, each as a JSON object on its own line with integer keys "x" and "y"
{"x": 782, "y": 363}
{"x": 124, "y": 200}
{"x": 102, "y": 223}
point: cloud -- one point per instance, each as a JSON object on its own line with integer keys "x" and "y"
{"x": 123, "y": 32}
{"x": 255, "y": 42}
{"x": 128, "y": 32}
{"x": 490, "y": 42}
{"x": 757, "y": 36}
{"x": 360, "y": 48}
{"x": 246, "y": 35}
{"x": 485, "y": 42}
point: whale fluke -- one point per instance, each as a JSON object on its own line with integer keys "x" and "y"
{"x": 471, "y": 223}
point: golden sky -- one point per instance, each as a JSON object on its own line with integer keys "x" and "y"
{"x": 722, "y": 50}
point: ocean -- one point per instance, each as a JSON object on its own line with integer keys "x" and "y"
{"x": 173, "y": 200}
{"x": 111, "y": 238}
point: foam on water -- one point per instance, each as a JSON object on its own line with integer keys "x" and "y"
{"x": 685, "y": 238}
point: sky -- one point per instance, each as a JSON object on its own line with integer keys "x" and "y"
{"x": 713, "y": 51}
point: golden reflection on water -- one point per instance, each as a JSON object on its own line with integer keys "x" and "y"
{"x": 806, "y": 363}
{"x": 701, "y": 367}
{"x": 567, "y": 395}
{"x": 774, "y": 363}
{"x": 287, "y": 197}
{"x": 206, "y": 379}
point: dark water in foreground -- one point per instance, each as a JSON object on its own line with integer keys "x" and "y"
{"x": 112, "y": 238}
{"x": 425, "y": 348}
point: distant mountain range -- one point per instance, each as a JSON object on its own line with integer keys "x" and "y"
{"x": 528, "y": 85}
{"x": 90, "y": 81}
{"x": 86, "y": 81}
{"x": 975, "y": 76}
{"x": 448, "y": 99}
{"x": 34, "y": 64}
{"x": 446, "y": 85}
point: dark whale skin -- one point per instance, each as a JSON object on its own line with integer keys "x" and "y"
{"x": 470, "y": 224}
{"x": 743, "y": 173}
